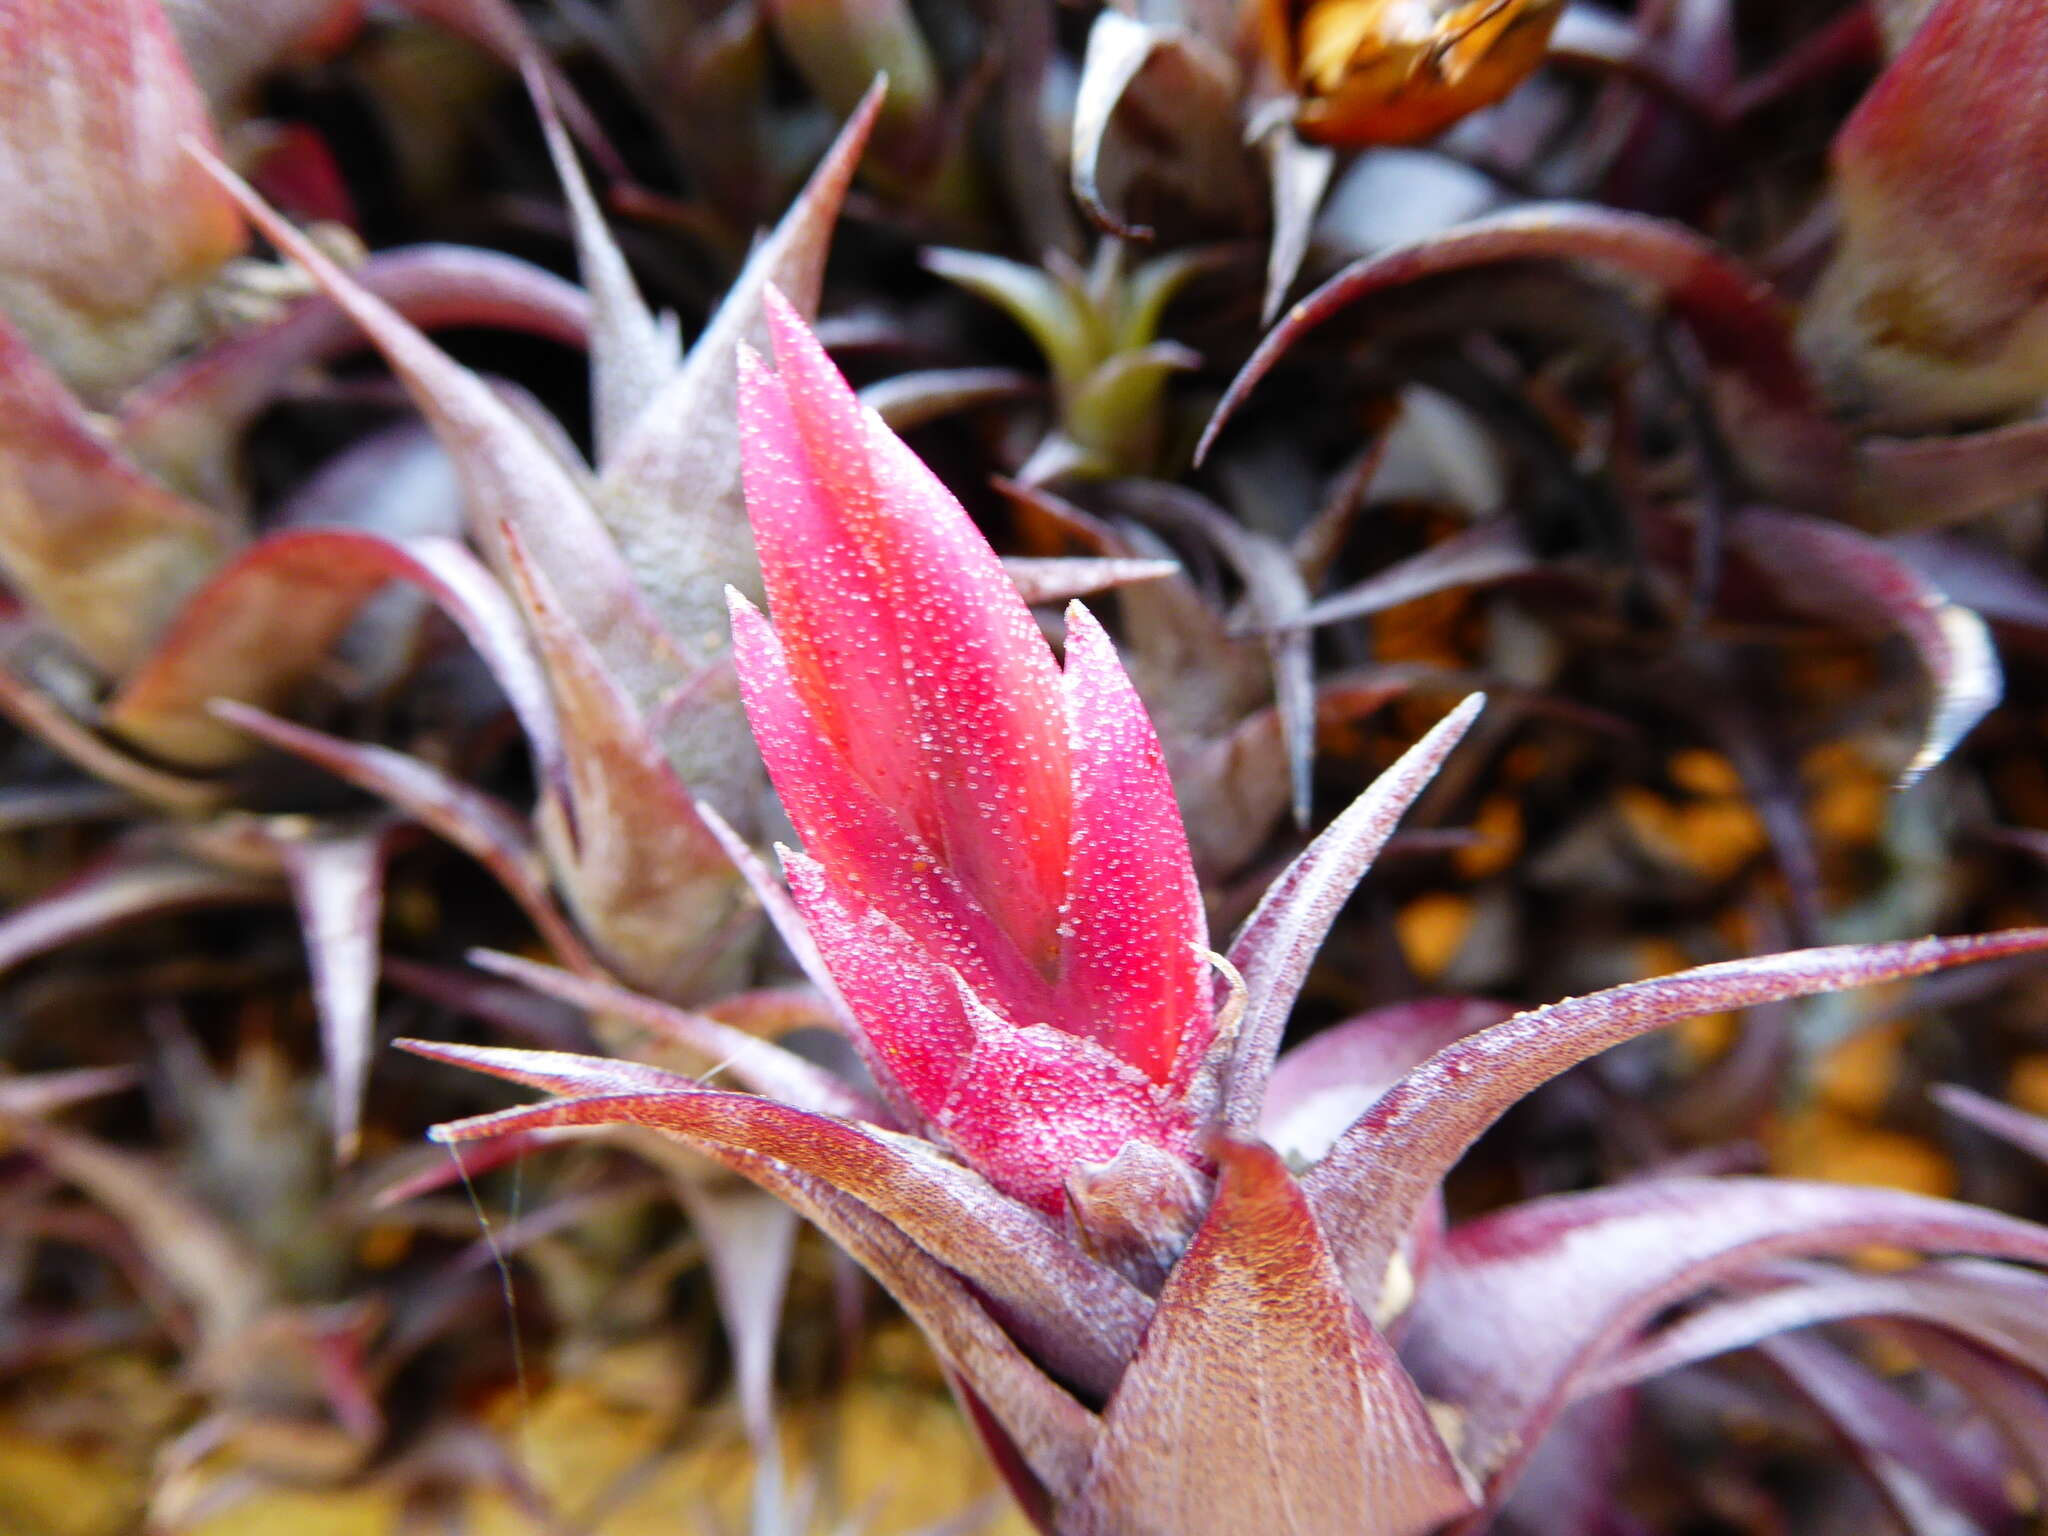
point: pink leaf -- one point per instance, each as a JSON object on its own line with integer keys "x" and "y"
{"x": 848, "y": 829}
{"x": 922, "y": 665}
{"x": 108, "y": 230}
{"x": 1132, "y": 969}
{"x": 1032, "y": 1103}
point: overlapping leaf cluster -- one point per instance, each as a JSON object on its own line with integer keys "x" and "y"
{"x": 1670, "y": 374}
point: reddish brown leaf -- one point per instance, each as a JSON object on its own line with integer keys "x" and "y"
{"x": 1285, "y": 1410}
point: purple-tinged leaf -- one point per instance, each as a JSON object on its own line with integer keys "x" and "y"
{"x": 1571, "y": 1484}
{"x": 448, "y": 1165}
{"x": 1930, "y": 1487}
{"x": 109, "y": 231}
{"x": 647, "y": 882}
{"x": 2013, "y": 1399}
{"x": 2027, "y": 1132}
{"x": 1822, "y": 567}
{"x": 266, "y": 620}
{"x": 1276, "y": 598}
{"x": 1994, "y": 1307}
{"x": 481, "y": 825}
{"x": 1285, "y": 1410}
{"x": 1767, "y": 398}
{"x": 185, "y": 424}
{"x": 1368, "y": 1190}
{"x": 203, "y": 1262}
{"x": 1486, "y": 1333}
{"x": 26, "y": 806}
{"x": 397, "y": 481}
{"x": 42, "y": 717}
{"x": 1320, "y": 1088}
{"x": 515, "y": 1011}
{"x": 44, "y": 1093}
{"x": 1494, "y": 550}
{"x": 1119, "y": 46}
{"x": 1045, "y": 1434}
{"x": 1050, "y": 1431}
{"x": 1235, "y": 788}
{"x": 337, "y": 882}
{"x": 1911, "y": 484}
{"x": 761, "y": 1065}
{"x": 1992, "y": 586}
{"x": 101, "y": 550}
{"x": 512, "y": 479}
{"x": 1080, "y": 1317}
{"x": 1278, "y": 942}
{"x": 1061, "y": 579}
{"x": 122, "y": 888}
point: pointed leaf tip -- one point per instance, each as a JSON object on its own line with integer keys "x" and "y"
{"x": 1278, "y": 942}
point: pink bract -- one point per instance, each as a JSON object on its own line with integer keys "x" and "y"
{"x": 995, "y": 870}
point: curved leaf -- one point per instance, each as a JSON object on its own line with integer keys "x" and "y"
{"x": 184, "y": 423}
{"x": 1769, "y": 401}
{"x": 1487, "y": 1334}
{"x": 1078, "y": 1317}
{"x": 1820, "y": 566}
{"x": 1368, "y": 1190}
{"x": 268, "y": 618}
{"x": 484, "y": 827}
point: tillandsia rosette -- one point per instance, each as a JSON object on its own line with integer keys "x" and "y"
{"x": 1669, "y": 374}
{"x": 1181, "y": 1283}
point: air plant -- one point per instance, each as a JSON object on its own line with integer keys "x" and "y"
{"x": 1099, "y": 332}
{"x": 1068, "y": 1173}
{"x": 1928, "y": 311}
